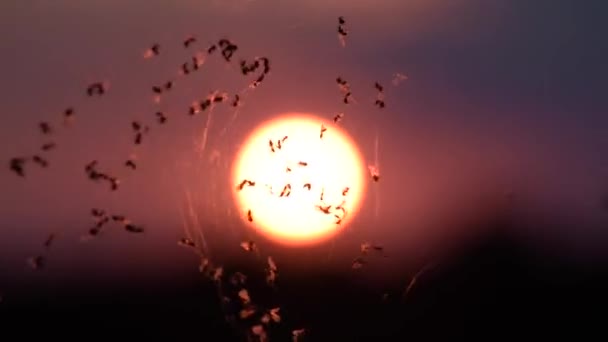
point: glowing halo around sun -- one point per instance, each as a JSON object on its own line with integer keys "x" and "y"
{"x": 329, "y": 165}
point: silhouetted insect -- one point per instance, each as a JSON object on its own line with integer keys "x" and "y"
{"x": 228, "y": 49}
{"x": 90, "y": 166}
{"x": 297, "y": 334}
{"x": 49, "y": 240}
{"x": 342, "y": 32}
{"x": 272, "y": 266}
{"x": 113, "y": 183}
{"x": 154, "y": 50}
{"x": 17, "y": 166}
{"x": 217, "y": 274}
{"x": 97, "y": 88}
{"x": 271, "y": 277}
{"x": 358, "y": 263}
{"x": 246, "y": 68}
{"x": 118, "y": 218}
{"x": 103, "y": 220}
{"x": 223, "y": 42}
{"x": 185, "y": 69}
{"x": 48, "y": 146}
{"x": 346, "y": 99}
{"x": 136, "y": 126}
{"x": 218, "y": 98}
{"x": 133, "y": 228}
{"x": 68, "y": 113}
{"x": 398, "y": 78}
{"x": 259, "y": 80}
{"x": 323, "y": 129}
{"x": 196, "y": 63}
{"x": 40, "y": 161}
{"x": 205, "y": 104}
{"x": 286, "y": 191}
{"x": 248, "y": 246}
{"x": 341, "y": 208}
{"x": 194, "y": 108}
{"x": 94, "y": 175}
{"x": 366, "y": 247}
{"x": 131, "y": 164}
{"x": 97, "y": 212}
{"x": 161, "y": 117}
{"x": 248, "y": 312}
{"x": 37, "y": 263}
{"x": 249, "y": 216}
{"x": 378, "y": 87}
{"x": 45, "y": 128}
{"x": 189, "y": 41}
{"x": 266, "y": 63}
{"x": 374, "y": 173}
{"x": 280, "y": 142}
{"x": 238, "y": 278}
{"x": 245, "y": 182}
{"x": 324, "y": 209}
{"x": 186, "y": 242}
{"x": 338, "y": 117}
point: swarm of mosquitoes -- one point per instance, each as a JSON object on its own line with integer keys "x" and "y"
{"x": 237, "y": 295}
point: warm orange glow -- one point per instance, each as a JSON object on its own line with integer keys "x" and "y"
{"x": 329, "y": 165}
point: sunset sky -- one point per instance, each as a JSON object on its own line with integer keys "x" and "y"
{"x": 501, "y": 96}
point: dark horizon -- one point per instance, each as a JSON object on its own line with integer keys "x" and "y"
{"x": 495, "y": 283}
{"x": 496, "y": 278}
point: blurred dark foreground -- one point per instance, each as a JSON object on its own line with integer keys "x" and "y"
{"x": 495, "y": 288}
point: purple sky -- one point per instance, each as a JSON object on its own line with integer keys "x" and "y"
{"x": 502, "y": 95}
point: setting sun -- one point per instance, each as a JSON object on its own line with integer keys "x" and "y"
{"x": 299, "y": 179}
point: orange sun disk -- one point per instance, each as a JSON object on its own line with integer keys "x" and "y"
{"x": 306, "y": 188}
